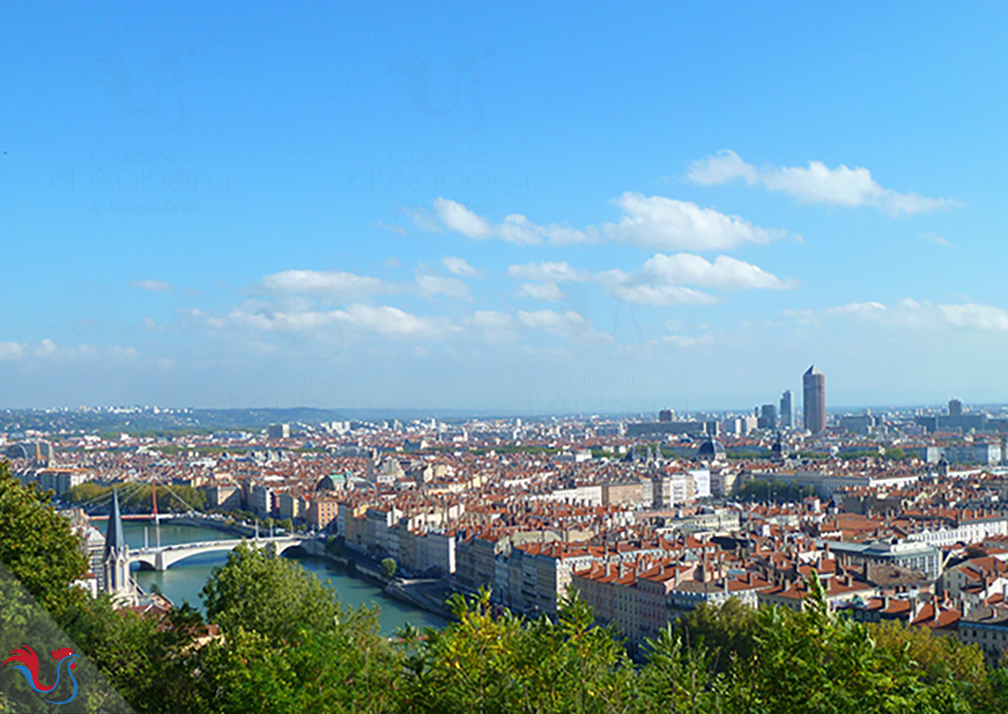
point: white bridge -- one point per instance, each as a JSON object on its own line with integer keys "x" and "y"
{"x": 166, "y": 556}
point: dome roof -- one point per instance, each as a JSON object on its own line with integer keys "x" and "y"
{"x": 711, "y": 449}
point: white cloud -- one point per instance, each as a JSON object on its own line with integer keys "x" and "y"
{"x": 975, "y": 317}
{"x": 423, "y": 221}
{"x": 46, "y": 348}
{"x": 497, "y": 327}
{"x": 567, "y": 325}
{"x": 387, "y": 320}
{"x": 393, "y": 227}
{"x": 120, "y": 353}
{"x": 457, "y": 217}
{"x": 156, "y": 286}
{"x": 543, "y": 292}
{"x": 662, "y": 280}
{"x": 648, "y": 221}
{"x": 908, "y": 313}
{"x": 667, "y": 224}
{"x": 679, "y": 340}
{"x": 318, "y": 283}
{"x": 817, "y": 183}
{"x": 549, "y": 272}
{"x": 937, "y": 240}
{"x": 431, "y": 285}
{"x": 660, "y": 295}
{"x": 515, "y": 228}
{"x": 722, "y": 167}
{"x": 725, "y": 273}
{"x": 10, "y": 350}
{"x": 460, "y": 267}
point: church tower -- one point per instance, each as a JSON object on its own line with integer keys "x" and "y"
{"x": 116, "y": 579}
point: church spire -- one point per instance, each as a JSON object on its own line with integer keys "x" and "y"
{"x": 114, "y": 538}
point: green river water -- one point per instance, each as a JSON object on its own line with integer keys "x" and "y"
{"x": 184, "y": 580}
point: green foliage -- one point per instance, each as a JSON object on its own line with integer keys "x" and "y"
{"x": 502, "y": 663}
{"x": 287, "y": 645}
{"x": 893, "y": 453}
{"x": 84, "y": 492}
{"x": 388, "y": 568}
{"x": 728, "y": 630}
{"x": 346, "y": 666}
{"x": 775, "y": 491}
{"x": 174, "y": 499}
{"x": 813, "y": 661}
{"x": 37, "y": 545}
{"x": 149, "y": 659}
{"x": 679, "y": 676}
{"x": 269, "y": 595}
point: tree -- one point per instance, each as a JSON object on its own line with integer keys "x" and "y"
{"x": 85, "y": 492}
{"x": 493, "y": 661}
{"x": 37, "y": 544}
{"x": 729, "y": 630}
{"x": 267, "y": 594}
{"x": 388, "y": 568}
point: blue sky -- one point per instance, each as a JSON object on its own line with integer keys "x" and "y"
{"x": 505, "y": 208}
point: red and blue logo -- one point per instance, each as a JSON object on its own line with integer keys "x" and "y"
{"x": 26, "y": 661}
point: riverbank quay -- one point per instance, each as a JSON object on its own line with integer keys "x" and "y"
{"x": 426, "y": 594}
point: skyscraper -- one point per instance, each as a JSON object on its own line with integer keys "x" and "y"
{"x": 768, "y": 417}
{"x": 786, "y": 410}
{"x": 814, "y": 388}
{"x": 955, "y": 407}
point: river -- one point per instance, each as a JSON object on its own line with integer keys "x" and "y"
{"x": 184, "y": 580}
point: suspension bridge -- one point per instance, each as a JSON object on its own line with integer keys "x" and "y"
{"x": 161, "y": 557}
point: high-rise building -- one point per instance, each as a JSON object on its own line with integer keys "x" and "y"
{"x": 767, "y": 417}
{"x": 665, "y": 415}
{"x": 955, "y": 407}
{"x": 786, "y": 410}
{"x": 279, "y": 431}
{"x": 814, "y": 403}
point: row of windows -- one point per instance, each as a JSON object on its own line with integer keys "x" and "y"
{"x": 983, "y": 635}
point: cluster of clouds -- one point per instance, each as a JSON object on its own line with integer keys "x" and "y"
{"x": 651, "y": 222}
{"x": 816, "y": 183}
{"x": 661, "y": 223}
{"x": 662, "y": 279}
{"x": 310, "y": 302}
{"x": 909, "y": 313}
{"x": 47, "y": 349}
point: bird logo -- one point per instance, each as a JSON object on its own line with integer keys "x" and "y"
{"x": 160, "y": 117}
{"x": 26, "y": 661}
{"x": 466, "y": 104}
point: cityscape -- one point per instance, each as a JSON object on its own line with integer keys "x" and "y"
{"x": 900, "y": 513}
{"x": 489, "y": 358}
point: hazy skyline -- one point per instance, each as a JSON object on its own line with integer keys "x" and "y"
{"x": 511, "y": 209}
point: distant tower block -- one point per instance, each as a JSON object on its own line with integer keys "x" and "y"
{"x": 814, "y": 388}
{"x": 955, "y": 407}
{"x": 786, "y": 410}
